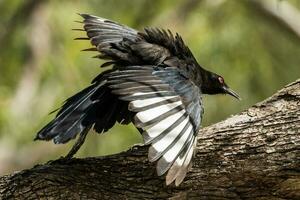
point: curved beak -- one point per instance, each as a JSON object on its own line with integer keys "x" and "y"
{"x": 232, "y": 93}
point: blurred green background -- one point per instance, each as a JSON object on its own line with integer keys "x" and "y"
{"x": 254, "y": 44}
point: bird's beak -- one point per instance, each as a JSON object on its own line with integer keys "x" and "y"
{"x": 232, "y": 93}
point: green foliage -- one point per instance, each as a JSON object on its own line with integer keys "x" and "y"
{"x": 255, "y": 53}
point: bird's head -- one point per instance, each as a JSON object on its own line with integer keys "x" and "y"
{"x": 215, "y": 84}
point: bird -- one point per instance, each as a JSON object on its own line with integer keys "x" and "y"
{"x": 150, "y": 79}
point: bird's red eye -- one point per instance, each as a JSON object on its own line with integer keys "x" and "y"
{"x": 221, "y": 80}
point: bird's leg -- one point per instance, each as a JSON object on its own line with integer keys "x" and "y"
{"x": 78, "y": 143}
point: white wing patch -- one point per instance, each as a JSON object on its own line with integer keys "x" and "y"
{"x": 153, "y": 113}
{"x": 167, "y": 140}
{"x": 158, "y": 128}
{"x": 147, "y": 102}
{"x": 145, "y": 93}
{"x": 171, "y": 154}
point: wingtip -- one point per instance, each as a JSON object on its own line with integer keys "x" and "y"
{"x": 162, "y": 166}
{"x": 178, "y": 182}
{"x": 77, "y": 21}
{"x": 88, "y": 16}
{"x": 39, "y": 136}
{"x": 83, "y": 15}
{"x": 169, "y": 180}
{"x": 180, "y": 177}
{"x": 177, "y": 176}
{"x": 90, "y": 49}
{"x": 77, "y": 29}
{"x": 81, "y": 38}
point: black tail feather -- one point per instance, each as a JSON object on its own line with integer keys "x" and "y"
{"x": 68, "y": 121}
{"x": 94, "y": 106}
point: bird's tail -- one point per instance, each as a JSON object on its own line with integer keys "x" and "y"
{"x": 94, "y": 106}
{"x": 74, "y": 116}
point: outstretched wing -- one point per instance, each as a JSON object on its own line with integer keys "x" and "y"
{"x": 168, "y": 109}
{"x": 103, "y": 32}
{"x": 111, "y": 39}
{"x": 126, "y": 46}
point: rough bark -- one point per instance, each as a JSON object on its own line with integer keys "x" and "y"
{"x": 252, "y": 155}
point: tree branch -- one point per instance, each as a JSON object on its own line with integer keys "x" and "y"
{"x": 252, "y": 155}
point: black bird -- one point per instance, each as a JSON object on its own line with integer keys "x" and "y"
{"x": 154, "y": 82}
